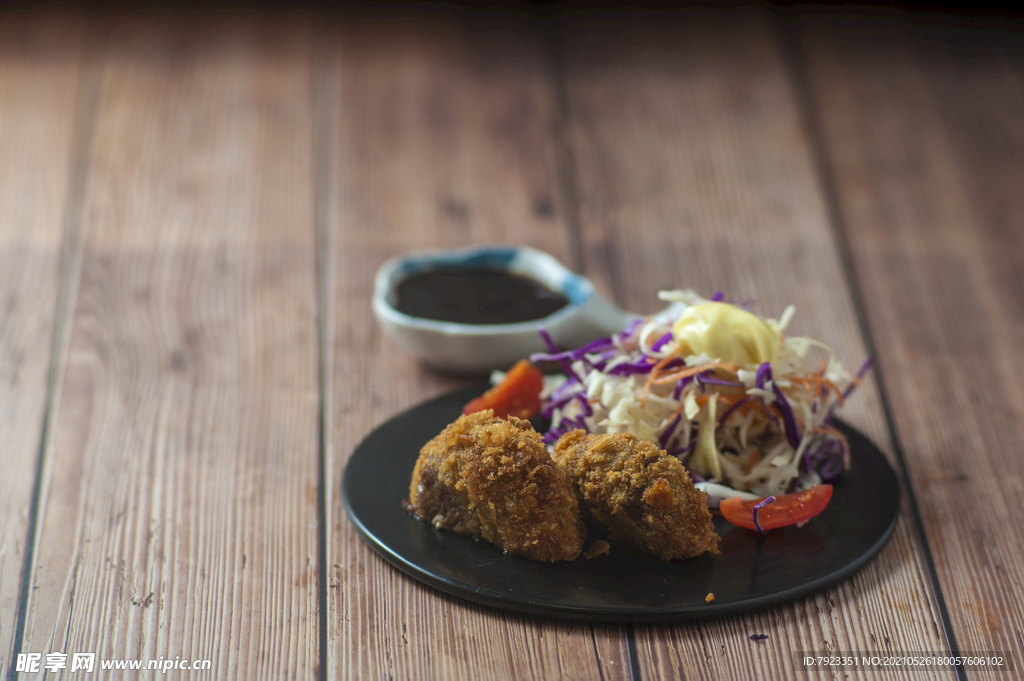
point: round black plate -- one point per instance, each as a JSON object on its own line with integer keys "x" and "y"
{"x": 752, "y": 571}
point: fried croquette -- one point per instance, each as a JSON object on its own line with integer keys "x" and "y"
{"x": 642, "y": 495}
{"x": 494, "y": 480}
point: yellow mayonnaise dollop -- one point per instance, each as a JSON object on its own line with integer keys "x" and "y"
{"x": 726, "y": 333}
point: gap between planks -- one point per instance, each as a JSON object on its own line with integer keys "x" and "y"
{"x": 796, "y": 65}
{"x": 322, "y": 142}
{"x": 70, "y": 270}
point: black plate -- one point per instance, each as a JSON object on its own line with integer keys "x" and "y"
{"x": 752, "y": 571}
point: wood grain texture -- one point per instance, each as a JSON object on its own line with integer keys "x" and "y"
{"x": 179, "y": 511}
{"x": 693, "y": 169}
{"x": 440, "y": 135}
{"x": 926, "y": 143}
{"x": 40, "y": 68}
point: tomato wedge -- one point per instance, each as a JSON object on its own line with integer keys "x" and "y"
{"x": 518, "y": 395}
{"x": 787, "y": 509}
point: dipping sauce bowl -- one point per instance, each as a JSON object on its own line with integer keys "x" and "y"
{"x": 479, "y": 348}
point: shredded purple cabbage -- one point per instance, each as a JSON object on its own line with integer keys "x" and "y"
{"x": 658, "y": 344}
{"x": 577, "y": 423}
{"x": 730, "y": 410}
{"x": 744, "y": 304}
{"x": 601, "y": 345}
{"x": 632, "y": 327}
{"x": 764, "y": 374}
{"x": 826, "y": 458}
{"x": 762, "y": 371}
{"x": 571, "y": 390}
{"x": 758, "y": 637}
{"x": 603, "y": 358}
{"x": 555, "y": 355}
{"x": 551, "y": 405}
{"x": 640, "y": 366}
{"x": 593, "y": 346}
{"x": 548, "y": 341}
{"x": 581, "y": 399}
{"x": 705, "y": 378}
{"x": 711, "y": 380}
{"x": 788, "y": 417}
{"x": 868, "y": 361}
{"x": 567, "y": 425}
{"x": 680, "y": 386}
{"x": 571, "y": 384}
{"x": 670, "y": 429}
{"x": 758, "y": 507}
{"x": 861, "y": 373}
{"x": 551, "y": 437}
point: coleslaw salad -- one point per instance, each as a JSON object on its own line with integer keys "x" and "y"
{"x": 746, "y": 408}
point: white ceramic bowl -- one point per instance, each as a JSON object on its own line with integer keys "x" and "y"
{"x": 479, "y": 348}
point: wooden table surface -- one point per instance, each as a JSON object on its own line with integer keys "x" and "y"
{"x": 192, "y": 207}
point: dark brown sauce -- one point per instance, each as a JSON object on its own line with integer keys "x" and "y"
{"x": 476, "y": 296}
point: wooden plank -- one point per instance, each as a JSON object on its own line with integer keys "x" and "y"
{"x": 693, "y": 169}
{"x": 179, "y": 513}
{"x": 40, "y": 69}
{"x": 440, "y": 129}
{"x": 926, "y": 144}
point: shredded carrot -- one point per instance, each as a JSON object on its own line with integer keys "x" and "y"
{"x": 829, "y": 430}
{"x": 809, "y": 382}
{"x": 832, "y": 386}
{"x": 655, "y": 370}
{"x": 672, "y": 378}
{"x": 835, "y": 388}
{"x": 755, "y": 456}
{"x": 805, "y": 382}
{"x": 744, "y": 409}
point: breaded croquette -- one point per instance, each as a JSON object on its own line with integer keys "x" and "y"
{"x": 494, "y": 479}
{"x": 642, "y": 495}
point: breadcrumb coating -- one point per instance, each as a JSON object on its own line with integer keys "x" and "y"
{"x": 643, "y": 496}
{"x": 494, "y": 480}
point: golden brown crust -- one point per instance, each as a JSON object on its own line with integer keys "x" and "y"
{"x": 643, "y": 496}
{"x": 494, "y": 480}
{"x": 598, "y": 548}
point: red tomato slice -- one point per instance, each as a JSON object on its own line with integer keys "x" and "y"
{"x": 517, "y": 395}
{"x": 787, "y": 509}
